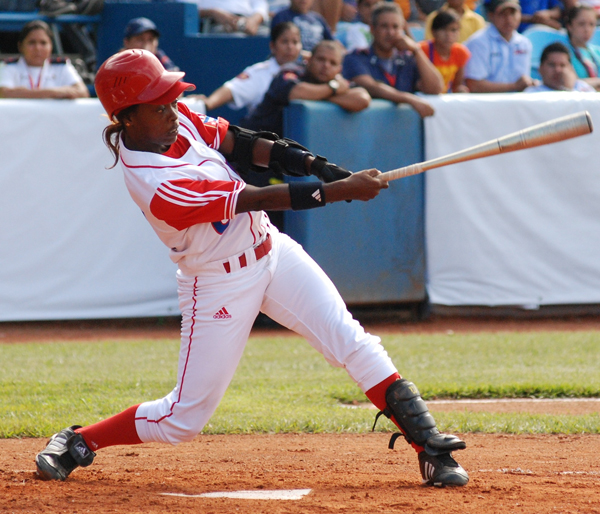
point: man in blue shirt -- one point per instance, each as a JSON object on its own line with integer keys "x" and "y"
{"x": 500, "y": 56}
{"x": 395, "y": 66}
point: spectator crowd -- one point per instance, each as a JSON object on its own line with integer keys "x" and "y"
{"x": 477, "y": 46}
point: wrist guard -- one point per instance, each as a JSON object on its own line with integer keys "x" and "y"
{"x": 306, "y": 195}
{"x": 327, "y": 171}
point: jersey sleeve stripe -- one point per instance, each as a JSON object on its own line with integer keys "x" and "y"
{"x": 188, "y": 129}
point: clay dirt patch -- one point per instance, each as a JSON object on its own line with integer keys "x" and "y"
{"x": 345, "y": 472}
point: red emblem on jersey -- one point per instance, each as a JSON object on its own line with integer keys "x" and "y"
{"x": 243, "y": 76}
{"x": 290, "y": 75}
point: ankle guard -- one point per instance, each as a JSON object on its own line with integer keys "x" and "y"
{"x": 410, "y": 412}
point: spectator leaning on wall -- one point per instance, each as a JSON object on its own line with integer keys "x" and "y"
{"x": 500, "y": 56}
{"x": 35, "y": 74}
{"x": 320, "y": 79}
{"x": 395, "y": 66}
{"x": 557, "y": 72}
{"x": 249, "y": 87}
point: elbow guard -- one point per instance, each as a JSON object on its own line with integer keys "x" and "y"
{"x": 243, "y": 144}
{"x": 287, "y": 157}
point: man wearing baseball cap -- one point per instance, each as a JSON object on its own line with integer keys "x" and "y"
{"x": 500, "y": 56}
{"x": 142, "y": 34}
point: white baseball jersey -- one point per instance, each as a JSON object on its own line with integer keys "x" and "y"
{"x": 192, "y": 206}
{"x": 249, "y": 87}
{"x": 189, "y": 195}
{"x": 51, "y": 75}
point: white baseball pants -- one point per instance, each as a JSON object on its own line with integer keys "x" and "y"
{"x": 218, "y": 312}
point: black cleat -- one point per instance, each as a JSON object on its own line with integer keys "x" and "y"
{"x": 65, "y": 452}
{"x": 441, "y": 470}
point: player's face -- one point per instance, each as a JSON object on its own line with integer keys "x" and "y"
{"x": 152, "y": 128}
{"x": 287, "y": 46}
{"x": 36, "y": 47}
{"x": 581, "y": 29}
{"x": 144, "y": 41}
{"x": 447, "y": 36}
{"x": 325, "y": 64}
{"x": 506, "y": 21}
{"x": 555, "y": 71}
{"x": 389, "y": 28}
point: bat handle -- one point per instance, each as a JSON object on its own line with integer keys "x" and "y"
{"x": 407, "y": 171}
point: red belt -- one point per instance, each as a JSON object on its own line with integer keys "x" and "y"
{"x": 260, "y": 251}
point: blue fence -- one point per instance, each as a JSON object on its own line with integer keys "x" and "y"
{"x": 375, "y": 251}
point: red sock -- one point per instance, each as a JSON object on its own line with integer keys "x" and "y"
{"x": 377, "y": 396}
{"x": 119, "y": 429}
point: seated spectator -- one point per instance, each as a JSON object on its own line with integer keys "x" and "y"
{"x": 557, "y": 72}
{"x": 142, "y": 33}
{"x": 313, "y": 27}
{"x": 541, "y": 12}
{"x": 470, "y": 22}
{"x": 249, "y": 87}
{"x": 580, "y": 22}
{"x": 500, "y": 57}
{"x": 358, "y": 33}
{"x": 250, "y": 17}
{"x": 395, "y": 66}
{"x": 320, "y": 79}
{"x": 34, "y": 74}
{"x": 448, "y": 56}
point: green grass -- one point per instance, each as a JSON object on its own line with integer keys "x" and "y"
{"x": 283, "y": 385}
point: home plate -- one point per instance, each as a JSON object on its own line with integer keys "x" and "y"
{"x": 261, "y": 494}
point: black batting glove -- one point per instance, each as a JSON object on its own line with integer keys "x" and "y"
{"x": 327, "y": 171}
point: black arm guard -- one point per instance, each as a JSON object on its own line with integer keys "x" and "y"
{"x": 327, "y": 171}
{"x": 287, "y": 157}
{"x": 243, "y": 145}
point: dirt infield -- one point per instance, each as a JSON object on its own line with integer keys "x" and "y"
{"x": 345, "y": 473}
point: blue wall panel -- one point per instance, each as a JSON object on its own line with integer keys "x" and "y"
{"x": 207, "y": 60}
{"x": 373, "y": 251}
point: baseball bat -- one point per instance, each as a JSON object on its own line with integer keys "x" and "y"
{"x": 551, "y": 131}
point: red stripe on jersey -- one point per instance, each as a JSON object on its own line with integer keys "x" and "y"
{"x": 185, "y": 202}
{"x": 211, "y": 130}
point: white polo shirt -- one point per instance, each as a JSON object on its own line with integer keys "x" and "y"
{"x": 18, "y": 74}
{"x": 249, "y": 87}
{"x": 495, "y": 59}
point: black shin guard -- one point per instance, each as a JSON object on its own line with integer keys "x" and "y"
{"x": 405, "y": 405}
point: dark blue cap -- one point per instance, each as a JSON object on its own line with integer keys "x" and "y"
{"x": 140, "y": 25}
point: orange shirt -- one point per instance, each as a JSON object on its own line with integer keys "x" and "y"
{"x": 459, "y": 55}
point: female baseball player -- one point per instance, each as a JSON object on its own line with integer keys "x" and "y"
{"x": 34, "y": 74}
{"x": 233, "y": 264}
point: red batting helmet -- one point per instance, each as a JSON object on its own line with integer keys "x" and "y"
{"x": 136, "y": 77}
